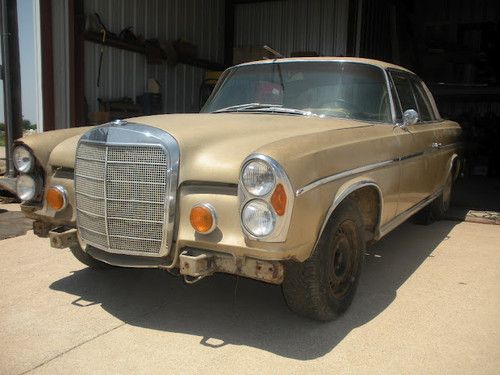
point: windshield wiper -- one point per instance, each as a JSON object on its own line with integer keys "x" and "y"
{"x": 259, "y": 107}
{"x": 293, "y": 111}
{"x": 240, "y": 107}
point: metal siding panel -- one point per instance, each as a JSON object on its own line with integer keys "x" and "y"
{"x": 294, "y": 25}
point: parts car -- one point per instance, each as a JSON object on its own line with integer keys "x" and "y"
{"x": 290, "y": 170}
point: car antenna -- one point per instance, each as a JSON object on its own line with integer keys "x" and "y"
{"x": 274, "y": 52}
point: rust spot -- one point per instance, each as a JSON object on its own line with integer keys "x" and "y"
{"x": 275, "y": 272}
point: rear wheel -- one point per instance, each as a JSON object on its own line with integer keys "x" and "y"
{"x": 439, "y": 206}
{"x": 323, "y": 287}
{"x": 86, "y": 259}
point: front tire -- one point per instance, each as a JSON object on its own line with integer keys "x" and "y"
{"x": 323, "y": 287}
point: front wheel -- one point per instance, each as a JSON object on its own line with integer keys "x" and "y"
{"x": 323, "y": 287}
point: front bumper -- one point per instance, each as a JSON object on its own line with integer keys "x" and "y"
{"x": 193, "y": 264}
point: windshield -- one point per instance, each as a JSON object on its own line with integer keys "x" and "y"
{"x": 338, "y": 89}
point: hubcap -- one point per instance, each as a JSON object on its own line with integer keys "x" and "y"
{"x": 342, "y": 263}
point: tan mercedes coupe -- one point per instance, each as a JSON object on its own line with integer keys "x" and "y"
{"x": 290, "y": 170}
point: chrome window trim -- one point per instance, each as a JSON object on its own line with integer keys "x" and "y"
{"x": 280, "y": 231}
{"x": 123, "y": 133}
{"x": 406, "y": 75}
{"x": 388, "y": 83}
{"x": 410, "y": 75}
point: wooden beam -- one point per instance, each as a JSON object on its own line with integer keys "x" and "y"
{"x": 95, "y": 37}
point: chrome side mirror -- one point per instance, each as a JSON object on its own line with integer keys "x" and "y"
{"x": 410, "y": 117}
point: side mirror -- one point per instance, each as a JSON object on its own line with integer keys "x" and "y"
{"x": 410, "y": 117}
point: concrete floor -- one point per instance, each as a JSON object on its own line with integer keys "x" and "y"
{"x": 428, "y": 302}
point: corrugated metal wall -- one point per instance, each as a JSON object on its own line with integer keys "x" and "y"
{"x": 294, "y": 25}
{"x": 375, "y": 33}
{"x": 125, "y": 74}
{"x": 458, "y": 11}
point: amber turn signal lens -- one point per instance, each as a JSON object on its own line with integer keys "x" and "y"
{"x": 202, "y": 218}
{"x": 56, "y": 198}
{"x": 278, "y": 200}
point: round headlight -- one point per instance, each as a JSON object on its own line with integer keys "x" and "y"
{"x": 26, "y": 187}
{"x": 258, "y": 218}
{"x": 258, "y": 178}
{"x": 23, "y": 159}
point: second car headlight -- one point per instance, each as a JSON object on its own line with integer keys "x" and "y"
{"x": 26, "y": 187}
{"x": 258, "y": 218}
{"x": 258, "y": 178}
{"x": 23, "y": 159}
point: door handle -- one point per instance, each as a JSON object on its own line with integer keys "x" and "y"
{"x": 436, "y": 145}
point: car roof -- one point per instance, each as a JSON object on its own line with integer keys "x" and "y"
{"x": 381, "y": 64}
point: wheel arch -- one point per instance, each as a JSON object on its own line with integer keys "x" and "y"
{"x": 363, "y": 191}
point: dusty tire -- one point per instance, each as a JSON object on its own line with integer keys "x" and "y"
{"x": 438, "y": 208}
{"x": 441, "y": 205}
{"x": 86, "y": 259}
{"x": 323, "y": 287}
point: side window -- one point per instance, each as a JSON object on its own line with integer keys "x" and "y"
{"x": 424, "y": 105}
{"x": 405, "y": 92}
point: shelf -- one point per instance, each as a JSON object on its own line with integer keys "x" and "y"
{"x": 95, "y": 37}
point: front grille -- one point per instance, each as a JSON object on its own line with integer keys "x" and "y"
{"x": 121, "y": 193}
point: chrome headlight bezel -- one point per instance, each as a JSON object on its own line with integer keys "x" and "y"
{"x": 23, "y": 163}
{"x": 281, "y": 223}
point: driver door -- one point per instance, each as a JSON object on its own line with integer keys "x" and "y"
{"x": 417, "y": 168}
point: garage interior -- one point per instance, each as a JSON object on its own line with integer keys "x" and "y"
{"x": 103, "y": 60}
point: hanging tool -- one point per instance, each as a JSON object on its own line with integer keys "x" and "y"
{"x": 104, "y": 33}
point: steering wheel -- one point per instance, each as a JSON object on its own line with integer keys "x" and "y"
{"x": 344, "y": 104}
{"x": 341, "y": 106}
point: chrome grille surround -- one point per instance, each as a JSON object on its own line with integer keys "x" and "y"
{"x": 125, "y": 188}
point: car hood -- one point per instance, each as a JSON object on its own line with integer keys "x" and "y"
{"x": 213, "y": 146}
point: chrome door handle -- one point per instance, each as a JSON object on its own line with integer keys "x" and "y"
{"x": 436, "y": 145}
